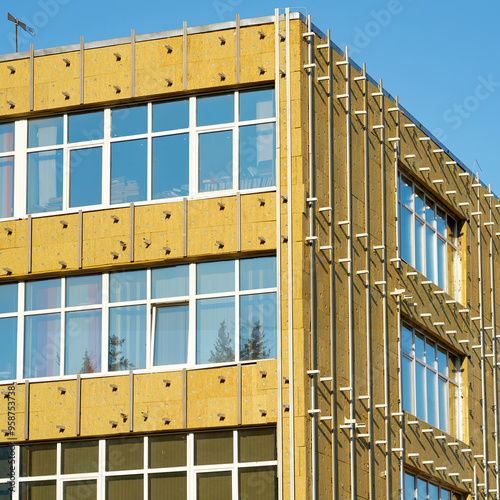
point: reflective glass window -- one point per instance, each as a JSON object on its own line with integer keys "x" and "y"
{"x": 86, "y": 126}
{"x": 257, "y": 273}
{"x": 215, "y": 161}
{"x": 170, "y": 115}
{"x": 215, "y": 109}
{"x": 45, "y": 131}
{"x": 6, "y": 186}
{"x": 170, "y": 282}
{"x": 213, "y": 277}
{"x": 6, "y": 137}
{"x": 8, "y": 298}
{"x": 44, "y": 294}
{"x": 85, "y": 177}
{"x": 129, "y": 121}
{"x": 171, "y": 335}
{"x": 83, "y": 290}
{"x": 257, "y": 104}
{"x": 8, "y": 353}
{"x": 127, "y": 285}
{"x": 45, "y": 181}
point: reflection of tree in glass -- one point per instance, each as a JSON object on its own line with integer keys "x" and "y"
{"x": 88, "y": 364}
{"x": 255, "y": 346}
{"x": 117, "y": 362}
{"x": 222, "y": 348}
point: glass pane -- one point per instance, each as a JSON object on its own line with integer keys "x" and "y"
{"x": 175, "y": 483}
{"x": 406, "y": 192}
{"x": 83, "y": 290}
{"x": 258, "y": 326}
{"x": 258, "y": 482}
{"x": 419, "y": 203}
{"x": 8, "y": 353}
{"x": 442, "y": 264}
{"x": 407, "y": 386}
{"x": 85, "y": 177}
{"x": 430, "y": 353}
{"x": 409, "y": 487}
{"x": 257, "y": 104}
{"x": 214, "y": 486}
{"x": 257, "y": 156}
{"x": 429, "y": 212}
{"x": 44, "y": 294}
{"x": 215, "y": 330}
{"x": 170, "y": 282}
{"x": 38, "y": 460}
{"x": 213, "y": 277}
{"x": 430, "y": 257}
{"x": 127, "y": 285}
{"x": 257, "y": 445}
{"x": 171, "y": 335}
{"x": 168, "y": 451}
{"x": 171, "y": 115}
{"x": 453, "y": 408}
{"x": 79, "y": 490}
{"x": 45, "y": 179}
{"x": 420, "y": 390}
{"x": 433, "y": 492}
{"x": 257, "y": 273}
{"x": 419, "y": 247}
{"x": 80, "y": 457}
{"x": 213, "y": 448}
{"x": 129, "y": 121}
{"x": 129, "y": 171}
{"x": 6, "y": 137}
{"x": 5, "y": 453}
{"x": 170, "y": 166}
{"x": 406, "y": 339}
{"x": 83, "y": 342}
{"x": 5, "y": 491}
{"x": 127, "y": 338}
{"x": 443, "y": 424}
{"x": 8, "y": 298}
{"x": 45, "y": 131}
{"x": 6, "y": 187}
{"x": 406, "y": 236}
{"x": 122, "y": 487}
{"x": 37, "y": 490}
{"x": 125, "y": 454}
{"x": 431, "y": 398}
{"x": 216, "y": 161}
{"x": 86, "y": 126}
{"x": 441, "y": 222}
{"x": 421, "y": 489}
{"x": 215, "y": 109}
{"x": 442, "y": 361}
{"x": 419, "y": 346}
{"x": 42, "y": 338}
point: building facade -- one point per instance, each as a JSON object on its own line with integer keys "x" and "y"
{"x": 234, "y": 266}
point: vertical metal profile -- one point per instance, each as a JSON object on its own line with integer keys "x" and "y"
{"x": 184, "y": 226}
{"x": 368, "y": 303}
{"x": 495, "y": 354}
{"x": 484, "y": 408}
{"x": 238, "y": 41}
{"x": 385, "y": 312}
{"x": 30, "y": 242}
{"x": 184, "y": 398}
{"x": 131, "y": 400}
{"x": 82, "y": 70}
{"x": 132, "y": 63}
{"x": 26, "y": 409}
{"x": 184, "y": 55}
{"x": 238, "y": 221}
{"x": 132, "y": 232}
{"x": 239, "y": 389}
{"x": 333, "y": 339}
{"x": 80, "y": 239}
{"x": 350, "y": 286}
{"x": 278, "y": 252}
{"x": 32, "y": 77}
{"x": 78, "y": 404}
{"x": 291, "y": 382}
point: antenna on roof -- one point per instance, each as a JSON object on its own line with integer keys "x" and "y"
{"x": 16, "y": 21}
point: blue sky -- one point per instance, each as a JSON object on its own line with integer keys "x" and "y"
{"x": 441, "y": 57}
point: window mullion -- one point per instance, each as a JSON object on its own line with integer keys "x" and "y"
{"x": 191, "y": 358}
{"x": 105, "y": 323}
{"x": 20, "y": 330}
{"x": 193, "y": 148}
{"x": 62, "y": 355}
{"x": 106, "y": 159}
{"x": 149, "y": 182}
{"x": 20, "y": 168}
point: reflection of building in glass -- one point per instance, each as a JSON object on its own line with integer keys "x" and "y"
{"x": 251, "y": 274}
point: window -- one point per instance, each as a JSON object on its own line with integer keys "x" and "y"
{"x": 211, "y": 312}
{"x": 427, "y": 234}
{"x": 225, "y": 464}
{"x": 430, "y": 380}
{"x": 416, "y": 488}
{"x": 140, "y": 153}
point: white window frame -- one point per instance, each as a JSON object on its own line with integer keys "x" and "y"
{"x": 12, "y": 154}
{"x": 449, "y": 491}
{"x": 101, "y": 475}
{"x": 22, "y": 150}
